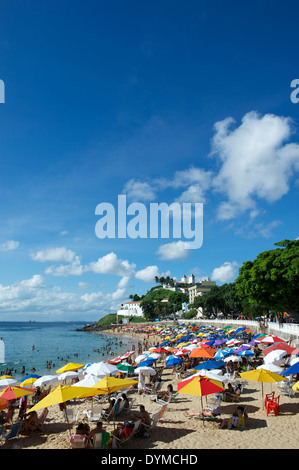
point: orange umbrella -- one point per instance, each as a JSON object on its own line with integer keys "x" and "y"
{"x": 203, "y": 352}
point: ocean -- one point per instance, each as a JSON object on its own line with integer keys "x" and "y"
{"x": 32, "y": 344}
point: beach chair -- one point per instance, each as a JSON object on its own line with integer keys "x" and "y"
{"x": 108, "y": 416}
{"x": 117, "y": 442}
{"x": 131, "y": 405}
{"x": 77, "y": 441}
{"x": 286, "y": 389}
{"x": 70, "y": 416}
{"x": 100, "y": 440}
{"x": 13, "y": 432}
{"x": 272, "y": 405}
{"x": 120, "y": 408}
{"x": 94, "y": 414}
{"x": 39, "y": 424}
{"x": 164, "y": 402}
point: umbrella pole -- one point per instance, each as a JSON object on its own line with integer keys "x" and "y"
{"x": 67, "y": 420}
{"x": 203, "y": 420}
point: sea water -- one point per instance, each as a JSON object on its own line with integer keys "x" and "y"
{"x": 32, "y": 344}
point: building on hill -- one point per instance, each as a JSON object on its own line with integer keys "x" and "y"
{"x": 200, "y": 288}
{"x": 131, "y": 309}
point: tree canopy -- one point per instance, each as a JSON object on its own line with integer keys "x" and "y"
{"x": 153, "y": 306}
{"x": 272, "y": 279}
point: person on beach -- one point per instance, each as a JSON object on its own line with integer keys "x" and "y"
{"x": 240, "y": 412}
{"x": 164, "y": 395}
{"x": 29, "y": 422}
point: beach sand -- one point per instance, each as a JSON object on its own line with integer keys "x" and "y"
{"x": 176, "y": 431}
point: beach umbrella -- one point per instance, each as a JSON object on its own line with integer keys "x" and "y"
{"x": 283, "y": 346}
{"x": 222, "y": 353}
{"x": 6, "y": 377}
{"x": 113, "y": 384}
{"x": 128, "y": 368}
{"x": 294, "y": 369}
{"x": 171, "y": 361}
{"x": 28, "y": 382}
{"x": 12, "y": 392}
{"x": 70, "y": 366}
{"x": 243, "y": 347}
{"x": 161, "y": 350}
{"x": 199, "y": 386}
{"x": 275, "y": 356}
{"x": 147, "y": 362}
{"x": 210, "y": 364}
{"x": 219, "y": 342}
{"x": 154, "y": 356}
{"x": 102, "y": 368}
{"x": 140, "y": 358}
{"x": 145, "y": 370}
{"x": 296, "y": 386}
{"x": 45, "y": 380}
{"x": 6, "y": 382}
{"x": 246, "y": 353}
{"x": 201, "y": 352}
{"x": 271, "y": 367}
{"x": 294, "y": 361}
{"x": 232, "y": 359}
{"x": 261, "y": 375}
{"x": 271, "y": 339}
{"x": 68, "y": 375}
{"x": 30, "y": 376}
{"x": 88, "y": 381}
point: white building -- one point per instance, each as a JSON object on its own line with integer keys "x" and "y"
{"x": 131, "y": 309}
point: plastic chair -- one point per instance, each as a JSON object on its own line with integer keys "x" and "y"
{"x": 78, "y": 441}
{"x": 273, "y": 405}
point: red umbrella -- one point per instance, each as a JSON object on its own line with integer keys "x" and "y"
{"x": 161, "y": 351}
{"x": 271, "y": 339}
{"x": 284, "y": 346}
{"x": 12, "y": 392}
{"x": 200, "y": 386}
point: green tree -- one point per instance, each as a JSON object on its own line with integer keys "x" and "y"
{"x": 271, "y": 280}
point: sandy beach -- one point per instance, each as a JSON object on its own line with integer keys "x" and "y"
{"x": 176, "y": 431}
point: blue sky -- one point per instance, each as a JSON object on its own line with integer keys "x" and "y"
{"x": 161, "y": 101}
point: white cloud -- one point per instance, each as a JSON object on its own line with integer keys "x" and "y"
{"x": 256, "y": 163}
{"x": 124, "y": 282}
{"x": 225, "y": 273}
{"x": 147, "y": 274}
{"x": 58, "y": 255}
{"x": 173, "y": 250}
{"x": 9, "y": 245}
{"x": 73, "y": 269}
{"x": 137, "y": 191}
{"x": 111, "y": 264}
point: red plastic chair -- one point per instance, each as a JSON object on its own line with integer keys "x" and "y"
{"x": 273, "y": 405}
{"x": 269, "y": 397}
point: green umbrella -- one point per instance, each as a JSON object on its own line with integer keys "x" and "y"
{"x": 126, "y": 368}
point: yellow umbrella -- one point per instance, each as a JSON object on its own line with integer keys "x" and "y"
{"x": 63, "y": 393}
{"x": 70, "y": 366}
{"x": 296, "y": 386}
{"x": 261, "y": 375}
{"x": 27, "y": 382}
{"x": 6, "y": 377}
{"x": 112, "y": 384}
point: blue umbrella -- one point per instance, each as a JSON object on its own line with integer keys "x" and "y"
{"x": 31, "y": 376}
{"x": 294, "y": 369}
{"x": 173, "y": 361}
{"x": 210, "y": 364}
{"x": 222, "y": 353}
{"x": 146, "y": 362}
{"x": 246, "y": 353}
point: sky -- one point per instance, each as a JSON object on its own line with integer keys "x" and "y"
{"x": 165, "y": 102}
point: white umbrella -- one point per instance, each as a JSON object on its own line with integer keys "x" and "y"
{"x": 70, "y": 374}
{"x": 154, "y": 356}
{"x": 6, "y": 382}
{"x": 140, "y": 358}
{"x": 271, "y": 367}
{"x": 145, "y": 370}
{"x": 45, "y": 380}
{"x": 292, "y": 361}
{"x": 233, "y": 359}
{"x": 101, "y": 368}
{"x": 275, "y": 356}
{"x": 88, "y": 381}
